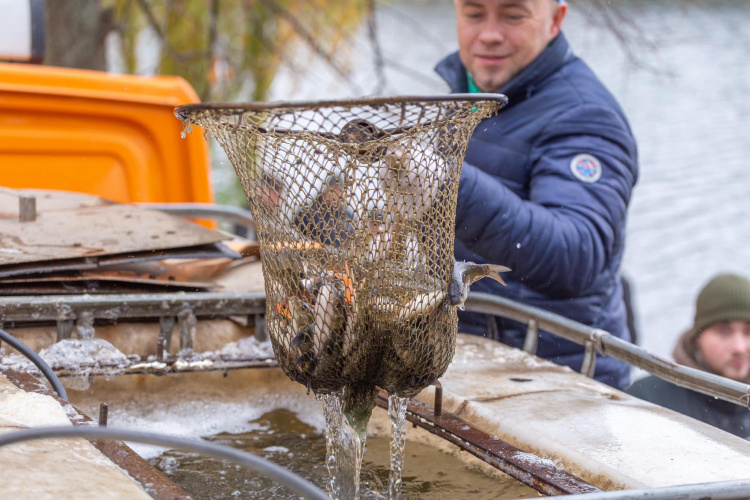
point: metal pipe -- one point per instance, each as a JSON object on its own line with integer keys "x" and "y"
{"x": 723, "y": 490}
{"x": 153, "y": 305}
{"x": 235, "y": 215}
{"x": 38, "y": 362}
{"x": 589, "y": 360}
{"x": 531, "y": 342}
{"x": 287, "y": 478}
{"x": 609, "y": 345}
{"x": 182, "y": 112}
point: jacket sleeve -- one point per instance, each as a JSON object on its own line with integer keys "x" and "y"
{"x": 562, "y": 237}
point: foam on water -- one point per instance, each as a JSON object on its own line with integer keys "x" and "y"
{"x": 197, "y": 414}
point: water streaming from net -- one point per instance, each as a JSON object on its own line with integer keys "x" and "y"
{"x": 397, "y": 415}
{"x": 345, "y": 448}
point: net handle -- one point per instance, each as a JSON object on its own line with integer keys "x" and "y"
{"x": 183, "y": 112}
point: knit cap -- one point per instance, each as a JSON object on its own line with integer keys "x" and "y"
{"x": 724, "y": 298}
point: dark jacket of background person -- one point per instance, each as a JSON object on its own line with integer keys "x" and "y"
{"x": 722, "y": 414}
{"x": 520, "y": 205}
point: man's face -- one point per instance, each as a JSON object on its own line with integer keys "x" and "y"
{"x": 499, "y": 38}
{"x": 726, "y": 349}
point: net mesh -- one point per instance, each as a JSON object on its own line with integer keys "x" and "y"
{"x": 354, "y": 204}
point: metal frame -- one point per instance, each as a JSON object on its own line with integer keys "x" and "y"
{"x": 234, "y": 215}
{"x": 64, "y": 310}
{"x": 236, "y": 108}
{"x": 600, "y": 342}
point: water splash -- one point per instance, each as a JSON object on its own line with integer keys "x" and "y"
{"x": 345, "y": 447}
{"x": 397, "y": 415}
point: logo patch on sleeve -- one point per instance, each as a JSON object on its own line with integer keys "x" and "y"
{"x": 586, "y": 168}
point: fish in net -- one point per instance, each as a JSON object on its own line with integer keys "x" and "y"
{"x": 354, "y": 204}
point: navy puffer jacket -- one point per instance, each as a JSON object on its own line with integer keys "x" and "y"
{"x": 544, "y": 190}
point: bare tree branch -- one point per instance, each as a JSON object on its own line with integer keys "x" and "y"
{"x": 376, "y": 49}
{"x": 309, "y": 39}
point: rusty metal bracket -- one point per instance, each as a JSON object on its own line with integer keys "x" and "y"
{"x": 103, "y": 414}
{"x": 593, "y": 346}
{"x": 164, "y": 343}
{"x": 438, "y": 405}
{"x": 259, "y": 323}
{"x": 533, "y": 471}
{"x": 186, "y": 322}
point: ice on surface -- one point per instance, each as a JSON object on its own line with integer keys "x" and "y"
{"x": 70, "y": 354}
{"x": 276, "y": 449}
{"x": 248, "y": 347}
{"x": 74, "y": 353}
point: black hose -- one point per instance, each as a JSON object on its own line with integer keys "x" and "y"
{"x": 289, "y": 479}
{"x": 38, "y": 361}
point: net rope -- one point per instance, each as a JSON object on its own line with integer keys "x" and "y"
{"x": 354, "y": 204}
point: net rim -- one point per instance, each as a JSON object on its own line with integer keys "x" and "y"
{"x": 229, "y": 108}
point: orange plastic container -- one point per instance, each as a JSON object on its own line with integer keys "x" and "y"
{"x": 115, "y": 136}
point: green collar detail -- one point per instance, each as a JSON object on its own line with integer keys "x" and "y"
{"x": 473, "y": 89}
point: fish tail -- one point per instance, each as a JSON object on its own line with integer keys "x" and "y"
{"x": 494, "y": 270}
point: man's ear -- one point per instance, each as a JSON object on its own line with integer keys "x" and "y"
{"x": 561, "y": 10}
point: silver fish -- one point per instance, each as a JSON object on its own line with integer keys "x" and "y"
{"x": 463, "y": 276}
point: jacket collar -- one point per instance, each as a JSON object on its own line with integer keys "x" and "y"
{"x": 521, "y": 86}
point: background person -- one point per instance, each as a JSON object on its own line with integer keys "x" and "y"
{"x": 719, "y": 343}
{"x": 546, "y": 183}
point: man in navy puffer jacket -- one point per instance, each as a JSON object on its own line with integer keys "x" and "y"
{"x": 546, "y": 183}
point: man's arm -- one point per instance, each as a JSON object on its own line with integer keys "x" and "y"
{"x": 560, "y": 239}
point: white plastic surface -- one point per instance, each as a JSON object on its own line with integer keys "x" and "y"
{"x": 15, "y": 30}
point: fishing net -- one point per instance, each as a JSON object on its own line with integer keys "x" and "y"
{"x": 354, "y": 204}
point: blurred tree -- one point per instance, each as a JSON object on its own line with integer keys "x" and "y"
{"x": 223, "y": 46}
{"x": 75, "y": 33}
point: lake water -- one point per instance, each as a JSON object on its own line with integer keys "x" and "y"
{"x": 682, "y": 79}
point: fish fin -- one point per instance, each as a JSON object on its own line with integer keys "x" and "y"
{"x": 303, "y": 337}
{"x": 494, "y": 272}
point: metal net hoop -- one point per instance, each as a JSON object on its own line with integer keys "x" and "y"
{"x": 354, "y": 203}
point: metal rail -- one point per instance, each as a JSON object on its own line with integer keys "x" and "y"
{"x": 598, "y": 341}
{"x": 65, "y": 309}
{"x": 234, "y": 215}
{"x": 53, "y": 308}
